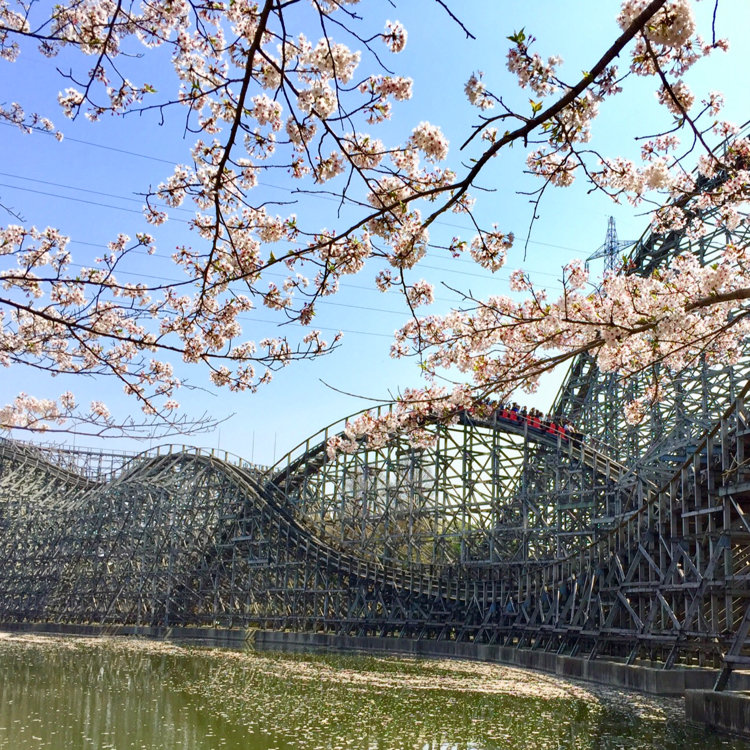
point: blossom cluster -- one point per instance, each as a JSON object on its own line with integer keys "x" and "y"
{"x": 263, "y": 99}
{"x": 476, "y": 92}
{"x": 673, "y": 317}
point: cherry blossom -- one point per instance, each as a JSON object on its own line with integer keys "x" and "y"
{"x": 430, "y": 141}
{"x": 476, "y": 93}
{"x": 420, "y": 293}
{"x": 395, "y": 36}
{"x": 261, "y": 96}
{"x": 489, "y": 249}
{"x": 672, "y": 25}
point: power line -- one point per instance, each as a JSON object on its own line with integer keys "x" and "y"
{"x": 92, "y": 144}
{"x": 319, "y": 196}
{"x": 450, "y": 271}
{"x": 82, "y": 200}
{"x": 99, "y": 204}
{"x": 140, "y": 275}
{"x": 74, "y": 187}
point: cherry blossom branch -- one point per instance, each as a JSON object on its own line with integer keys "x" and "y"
{"x": 262, "y": 98}
{"x": 533, "y": 123}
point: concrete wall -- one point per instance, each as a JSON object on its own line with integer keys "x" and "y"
{"x": 726, "y": 711}
{"x": 672, "y": 682}
{"x": 219, "y": 637}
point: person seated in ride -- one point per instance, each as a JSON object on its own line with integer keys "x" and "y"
{"x": 487, "y": 410}
{"x": 535, "y": 421}
{"x": 514, "y": 409}
{"x": 575, "y": 436}
{"x": 555, "y": 428}
{"x": 571, "y": 432}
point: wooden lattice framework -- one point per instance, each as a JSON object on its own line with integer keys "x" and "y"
{"x": 634, "y": 544}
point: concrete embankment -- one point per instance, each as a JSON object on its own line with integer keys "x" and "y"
{"x": 727, "y": 711}
{"x": 214, "y": 637}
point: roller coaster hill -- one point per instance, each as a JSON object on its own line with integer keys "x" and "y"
{"x": 632, "y": 547}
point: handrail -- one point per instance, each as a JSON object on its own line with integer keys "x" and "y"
{"x": 314, "y": 446}
{"x": 130, "y": 457}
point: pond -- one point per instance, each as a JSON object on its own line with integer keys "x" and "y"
{"x": 122, "y": 694}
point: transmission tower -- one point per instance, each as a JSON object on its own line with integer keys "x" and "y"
{"x": 611, "y": 248}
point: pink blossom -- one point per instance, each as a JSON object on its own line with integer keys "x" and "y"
{"x": 476, "y": 92}
{"x": 420, "y": 293}
{"x": 395, "y": 36}
{"x": 489, "y": 249}
{"x": 430, "y": 140}
{"x": 672, "y": 25}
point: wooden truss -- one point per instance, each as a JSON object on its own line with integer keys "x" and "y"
{"x": 632, "y": 545}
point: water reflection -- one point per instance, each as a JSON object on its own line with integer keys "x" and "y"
{"x": 119, "y": 694}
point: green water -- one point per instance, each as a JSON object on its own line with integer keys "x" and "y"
{"x": 119, "y": 694}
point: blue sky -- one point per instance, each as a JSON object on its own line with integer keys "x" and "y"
{"x": 88, "y": 186}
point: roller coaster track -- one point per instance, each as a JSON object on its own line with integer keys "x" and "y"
{"x": 181, "y": 537}
{"x": 102, "y": 512}
{"x": 615, "y": 593}
{"x": 632, "y": 544}
{"x": 292, "y": 469}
